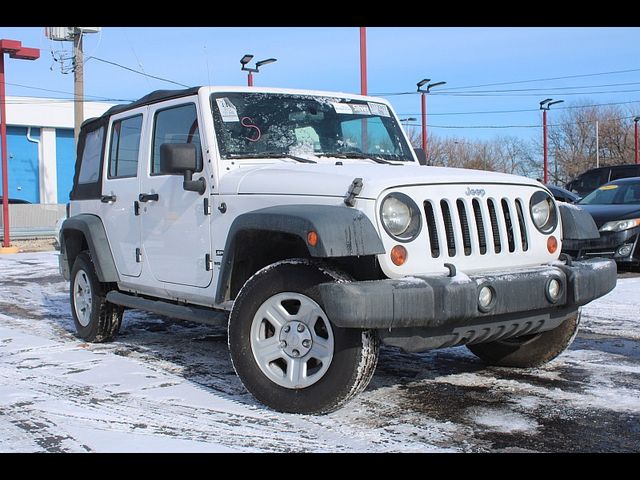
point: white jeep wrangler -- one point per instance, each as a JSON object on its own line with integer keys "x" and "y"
{"x": 308, "y": 220}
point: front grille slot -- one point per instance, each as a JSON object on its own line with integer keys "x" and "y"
{"x": 477, "y": 214}
{"x": 494, "y": 226}
{"x": 523, "y": 228}
{"x": 433, "y": 229}
{"x": 509, "y": 225}
{"x": 448, "y": 228}
{"x": 464, "y": 224}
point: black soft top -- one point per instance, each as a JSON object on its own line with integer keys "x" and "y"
{"x": 153, "y": 97}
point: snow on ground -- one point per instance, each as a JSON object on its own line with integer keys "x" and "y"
{"x": 169, "y": 386}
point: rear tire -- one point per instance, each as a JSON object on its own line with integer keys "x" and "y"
{"x": 286, "y": 351}
{"x": 529, "y": 350}
{"x": 96, "y": 320}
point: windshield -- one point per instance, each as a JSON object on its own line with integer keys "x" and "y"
{"x": 253, "y": 125}
{"x": 614, "y": 194}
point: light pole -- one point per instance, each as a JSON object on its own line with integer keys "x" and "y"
{"x": 544, "y": 106}
{"x": 15, "y": 50}
{"x": 246, "y": 59}
{"x": 424, "y": 93}
{"x": 635, "y": 138}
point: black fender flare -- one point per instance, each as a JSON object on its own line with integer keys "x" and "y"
{"x": 92, "y": 228}
{"x": 341, "y": 231}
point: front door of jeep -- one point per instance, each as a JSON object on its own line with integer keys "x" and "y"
{"x": 175, "y": 223}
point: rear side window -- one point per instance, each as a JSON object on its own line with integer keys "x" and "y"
{"x": 175, "y": 125}
{"x": 124, "y": 148}
{"x": 625, "y": 172}
{"x": 90, "y": 162}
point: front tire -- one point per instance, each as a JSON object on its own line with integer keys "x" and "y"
{"x": 287, "y": 352}
{"x": 96, "y": 320}
{"x": 529, "y": 350}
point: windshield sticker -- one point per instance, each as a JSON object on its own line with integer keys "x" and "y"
{"x": 342, "y": 107}
{"x": 608, "y": 187}
{"x": 227, "y": 109}
{"x": 361, "y": 109}
{"x": 379, "y": 109}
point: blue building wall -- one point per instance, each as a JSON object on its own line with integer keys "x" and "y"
{"x": 65, "y": 162}
{"x": 23, "y": 164}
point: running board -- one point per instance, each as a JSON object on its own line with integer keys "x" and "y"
{"x": 192, "y": 313}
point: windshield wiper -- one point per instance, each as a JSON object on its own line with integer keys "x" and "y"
{"x": 271, "y": 155}
{"x": 357, "y": 155}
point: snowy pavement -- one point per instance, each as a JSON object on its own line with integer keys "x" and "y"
{"x": 169, "y": 386}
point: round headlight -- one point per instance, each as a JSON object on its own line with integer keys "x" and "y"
{"x": 543, "y": 212}
{"x": 396, "y": 215}
{"x": 400, "y": 217}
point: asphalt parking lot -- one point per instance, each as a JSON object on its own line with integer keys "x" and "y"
{"x": 170, "y": 386}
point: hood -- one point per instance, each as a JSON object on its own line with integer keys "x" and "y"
{"x": 606, "y": 213}
{"x": 334, "y": 180}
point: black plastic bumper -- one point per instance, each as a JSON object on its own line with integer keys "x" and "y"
{"x": 450, "y": 301}
{"x": 606, "y": 246}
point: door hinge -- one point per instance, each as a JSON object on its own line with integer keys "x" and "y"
{"x": 138, "y": 255}
{"x": 207, "y": 207}
{"x": 136, "y": 208}
{"x": 208, "y": 262}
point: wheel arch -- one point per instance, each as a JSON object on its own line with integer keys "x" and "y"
{"x": 86, "y": 232}
{"x": 259, "y": 238}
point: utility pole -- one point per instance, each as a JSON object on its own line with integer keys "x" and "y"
{"x": 78, "y": 84}
{"x": 424, "y": 94}
{"x": 597, "y": 146}
{"x": 15, "y": 50}
{"x": 544, "y": 106}
{"x": 635, "y": 138}
{"x": 363, "y": 84}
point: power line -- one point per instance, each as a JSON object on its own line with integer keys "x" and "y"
{"x": 60, "y": 91}
{"x": 569, "y": 107}
{"x": 543, "y": 79}
{"x": 138, "y": 71}
{"x": 480, "y": 94}
{"x": 513, "y": 126}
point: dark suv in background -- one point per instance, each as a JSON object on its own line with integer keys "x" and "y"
{"x": 587, "y": 182}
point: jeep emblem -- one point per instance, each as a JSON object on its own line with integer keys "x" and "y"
{"x": 478, "y": 192}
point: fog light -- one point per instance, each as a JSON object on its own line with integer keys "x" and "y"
{"x": 625, "y": 250}
{"x": 486, "y": 297}
{"x": 554, "y": 290}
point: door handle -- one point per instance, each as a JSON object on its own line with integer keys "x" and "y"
{"x": 148, "y": 197}
{"x": 108, "y": 198}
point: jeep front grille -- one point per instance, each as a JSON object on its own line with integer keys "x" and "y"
{"x": 478, "y": 226}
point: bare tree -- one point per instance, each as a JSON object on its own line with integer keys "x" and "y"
{"x": 573, "y": 139}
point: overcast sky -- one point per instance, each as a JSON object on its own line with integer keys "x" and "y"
{"x": 328, "y": 59}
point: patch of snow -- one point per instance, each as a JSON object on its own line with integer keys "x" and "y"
{"x": 500, "y": 420}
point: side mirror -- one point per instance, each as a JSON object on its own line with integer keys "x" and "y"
{"x": 422, "y": 156}
{"x": 182, "y": 159}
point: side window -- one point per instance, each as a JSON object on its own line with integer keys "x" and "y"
{"x": 90, "y": 163}
{"x": 125, "y": 145}
{"x": 175, "y": 125}
{"x": 617, "y": 173}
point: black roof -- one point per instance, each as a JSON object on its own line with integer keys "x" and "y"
{"x": 153, "y": 97}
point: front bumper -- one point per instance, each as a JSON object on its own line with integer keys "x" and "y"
{"x": 448, "y": 302}
{"x": 607, "y": 246}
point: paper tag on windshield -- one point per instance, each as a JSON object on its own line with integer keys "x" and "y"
{"x": 227, "y": 109}
{"x": 359, "y": 108}
{"x": 342, "y": 107}
{"x": 379, "y": 109}
{"x": 608, "y": 187}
